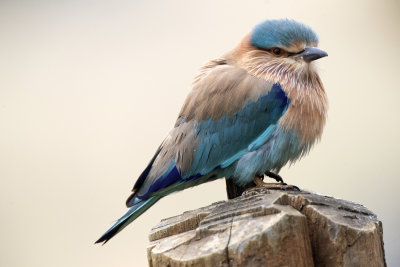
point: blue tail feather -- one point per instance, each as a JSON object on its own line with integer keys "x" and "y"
{"x": 134, "y": 212}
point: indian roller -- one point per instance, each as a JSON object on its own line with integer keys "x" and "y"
{"x": 250, "y": 112}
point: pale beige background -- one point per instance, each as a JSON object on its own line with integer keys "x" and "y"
{"x": 88, "y": 90}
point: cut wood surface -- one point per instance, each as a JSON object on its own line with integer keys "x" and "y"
{"x": 270, "y": 228}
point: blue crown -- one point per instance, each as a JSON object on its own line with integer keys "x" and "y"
{"x": 282, "y": 32}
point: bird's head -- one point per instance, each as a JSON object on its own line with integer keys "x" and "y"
{"x": 277, "y": 48}
{"x": 287, "y": 39}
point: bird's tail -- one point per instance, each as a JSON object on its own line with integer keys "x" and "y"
{"x": 135, "y": 211}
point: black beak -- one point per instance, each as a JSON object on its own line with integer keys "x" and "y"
{"x": 311, "y": 53}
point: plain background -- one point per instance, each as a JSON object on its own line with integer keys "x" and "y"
{"x": 88, "y": 90}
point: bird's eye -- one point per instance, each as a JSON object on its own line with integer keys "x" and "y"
{"x": 276, "y": 51}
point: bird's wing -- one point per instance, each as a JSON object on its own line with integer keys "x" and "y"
{"x": 227, "y": 113}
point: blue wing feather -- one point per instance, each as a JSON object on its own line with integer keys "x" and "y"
{"x": 233, "y": 136}
{"x": 171, "y": 177}
{"x": 224, "y": 141}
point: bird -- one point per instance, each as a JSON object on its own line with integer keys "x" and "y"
{"x": 250, "y": 112}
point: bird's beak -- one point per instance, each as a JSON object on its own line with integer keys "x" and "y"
{"x": 311, "y": 53}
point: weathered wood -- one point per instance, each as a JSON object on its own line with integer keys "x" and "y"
{"x": 270, "y": 228}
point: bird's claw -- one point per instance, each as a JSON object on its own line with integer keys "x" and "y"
{"x": 274, "y": 186}
{"x": 290, "y": 188}
{"x": 275, "y": 176}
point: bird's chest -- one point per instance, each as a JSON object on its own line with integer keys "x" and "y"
{"x": 305, "y": 117}
{"x": 282, "y": 146}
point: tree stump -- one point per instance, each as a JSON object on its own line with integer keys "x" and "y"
{"x": 270, "y": 228}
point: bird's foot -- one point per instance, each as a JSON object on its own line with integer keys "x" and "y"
{"x": 258, "y": 180}
{"x": 275, "y": 176}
